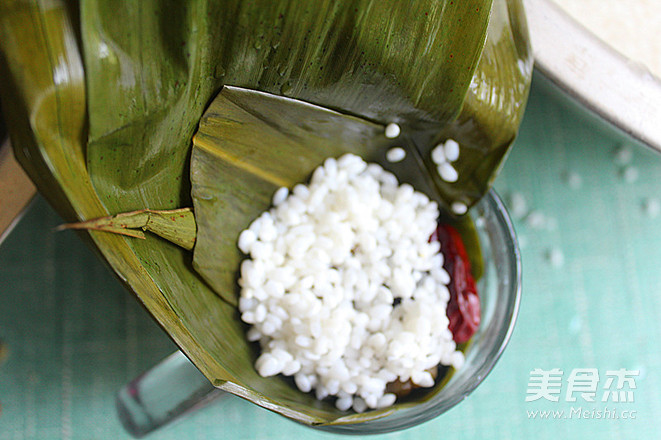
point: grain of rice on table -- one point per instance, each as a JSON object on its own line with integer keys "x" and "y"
{"x": 343, "y": 289}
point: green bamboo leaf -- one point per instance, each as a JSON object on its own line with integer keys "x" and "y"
{"x": 493, "y": 107}
{"x": 175, "y": 225}
{"x": 44, "y": 85}
{"x": 235, "y": 172}
{"x": 113, "y": 134}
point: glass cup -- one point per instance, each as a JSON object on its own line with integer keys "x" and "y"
{"x": 175, "y": 386}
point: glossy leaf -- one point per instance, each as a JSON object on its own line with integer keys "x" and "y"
{"x": 105, "y": 100}
{"x": 248, "y": 145}
{"x": 175, "y": 225}
{"x": 493, "y": 107}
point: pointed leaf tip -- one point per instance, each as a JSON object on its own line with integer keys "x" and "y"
{"x": 176, "y": 225}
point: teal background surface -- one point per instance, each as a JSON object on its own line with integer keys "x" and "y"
{"x": 591, "y": 300}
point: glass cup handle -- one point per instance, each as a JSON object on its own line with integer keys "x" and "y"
{"x": 170, "y": 389}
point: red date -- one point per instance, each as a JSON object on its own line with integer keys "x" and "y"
{"x": 464, "y": 306}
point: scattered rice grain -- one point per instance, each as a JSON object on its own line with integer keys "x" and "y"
{"x": 518, "y": 205}
{"x": 555, "y": 257}
{"x": 392, "y": 130}
{"x": 438, "y": 154}
{"x": 573, "y": 179}
{"x": 447, "y": 172}
{"x": 395, "y": 154}
{"x": 451, "y": 149}
{"x": 536, "y": 220}
{"x": 652, "y": 207}
{"x": 623, "y": 155}
{"x": 459, "y": 208}
{"x": 629, "y": 174}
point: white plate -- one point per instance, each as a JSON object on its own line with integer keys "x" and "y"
{"x": 618, "y": 90}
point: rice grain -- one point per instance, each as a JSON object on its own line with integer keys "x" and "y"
{"x": 320, "y": 284}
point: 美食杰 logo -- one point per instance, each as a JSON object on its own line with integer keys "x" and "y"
{"x": 585, "y": 386}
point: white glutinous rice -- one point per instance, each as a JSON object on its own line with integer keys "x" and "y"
{"x": 652, "y": 207}
{"x": 438, "y": 154}
{"x": 459, "y": 208}
{"x": 536, "y": 220}
{"x": 573, "y": 179}
{"x": 629, "y": 174}
{"x": 343, "y": 289}
{"x": 518, "y": 205}
{"x": 451, "y": 149}
{"x": 555, "y": 257}
{"x": 392, "y": 130}
{"x": 447, "y": 172}
{"x": 623, "y": 155}
{"x": 396, "y": 154}
{"x": 443, "y": 155}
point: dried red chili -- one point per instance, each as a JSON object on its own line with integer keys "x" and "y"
{"x": 463, "y": 309}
